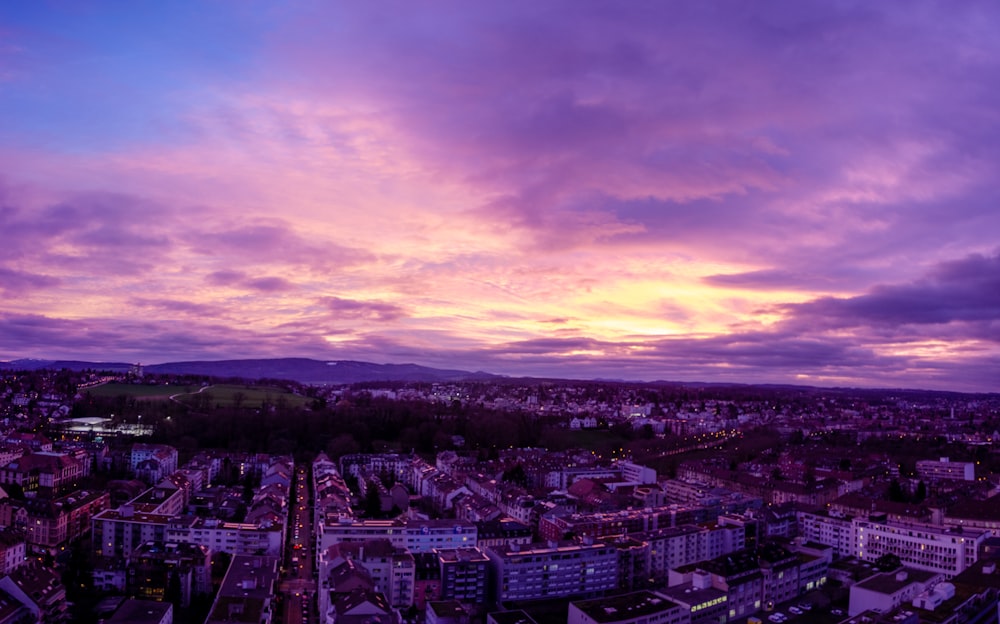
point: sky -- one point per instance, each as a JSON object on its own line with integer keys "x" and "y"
{"x": 784, "y": 192}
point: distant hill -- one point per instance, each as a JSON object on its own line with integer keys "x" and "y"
{"x": 115, "y": 367}
{"x": 303, "y": 370}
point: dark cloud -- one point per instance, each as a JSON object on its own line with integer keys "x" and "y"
{"x": 269, "y": 284}
{"x": 187, "y": 308}
{"x": 769, "y": 279}
{"x": 87, "y": 233}
{"x": 783, "y": 134}
{"x": 273, "y": 243}
{"x": 240, "y": 279}
{"x": 13, "y": 283}
{"x": 155, "y": 340}
{"x": 553, "y": 346}
{"x": 225, "y": 278}
{"x": 966, "y": 290}
{"x": 354, "y": 309}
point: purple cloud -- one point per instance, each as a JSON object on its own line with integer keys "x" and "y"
{"x": 966, "y": 290}
{"x": 225, "y": 278}
{"x": 269, "y": 284}
{"x": 186, "y": 308}
{"x": 526, "y": 185}
{"x": 14, "y": 282}
{"x": 354, "y": 309}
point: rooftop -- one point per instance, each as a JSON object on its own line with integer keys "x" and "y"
{"x": 136, "y": 611}
{"x": 512, "y": 617}
{"x": 891, "y": 582}
{"x": 614, "y": 608}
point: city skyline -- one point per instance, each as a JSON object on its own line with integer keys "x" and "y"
{"x": 784, "y": 193}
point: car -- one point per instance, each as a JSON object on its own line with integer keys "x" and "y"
{"x": 794, "y": 610}
{"x": 806, "y": 606}
{"x": 774, "y": 618}
{"x": 837, "y": 611}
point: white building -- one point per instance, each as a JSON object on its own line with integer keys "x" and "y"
{"x": 634, "y": 473}
{"x": 417, "y": 536}
{"x": 235, "y": 538}
{"x": 165, "y": 456}
{"x": 943, "y": 469}
{"x": 831, "y": 530}
{"x": 935, "y": 549}
{"x": 887, "y": 591}
{"x": 679, "y": 546}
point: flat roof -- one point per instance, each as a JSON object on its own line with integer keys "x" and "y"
{"x": 615, "y": 608}
{"x": 138, "y": 611}
{"x": 889, "y": 582}
{"x": 511, "y": 617}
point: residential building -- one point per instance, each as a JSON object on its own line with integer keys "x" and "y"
{"x": 169, "y": 571}
{"x": 464, "y": 574}
{"x": 39, "y": 589}
{"x": 935, "y": 549}
{"x": 134, "y": 611}
{"x": 945, "y": 469}
{"x": 887, "y": 591}
{"x": 117, "y": 532}
{"x": 247, "y": 592}
{"x": 235, "y": 538}
{"x": 12, "y": 550}
{"x": 553, "y": 570}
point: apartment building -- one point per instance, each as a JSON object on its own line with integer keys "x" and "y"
{"x": 464, "y": 574}
{"x": 946, "y": 470}
{"x": 678, "y": 546}
{"x": 947, "y": 551}
{"x": 553, "y": 570}
{"x": 416, "y": 536}
{"x": 235, "y": 538}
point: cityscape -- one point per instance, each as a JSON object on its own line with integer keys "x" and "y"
{"x": 548, "y": 312}
{"x": 131, "y": 496}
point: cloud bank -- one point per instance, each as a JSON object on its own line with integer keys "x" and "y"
{"x": 792, "y": 192}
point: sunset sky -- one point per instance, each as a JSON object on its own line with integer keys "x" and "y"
{"x": 779, "y": 192}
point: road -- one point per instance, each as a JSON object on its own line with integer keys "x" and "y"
{"x": 173, "y": 397}
{"x": 298, "y": 584}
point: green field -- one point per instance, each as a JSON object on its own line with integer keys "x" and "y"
{"x": 138, "y": 391}
{"x": 231, "y": 395}
{"x": 223, "y": 395}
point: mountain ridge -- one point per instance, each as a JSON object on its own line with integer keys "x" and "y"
{"x": 303, "y": 370}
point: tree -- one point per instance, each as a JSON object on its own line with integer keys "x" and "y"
{"x": 888, "y": 562}
{"x": 373, "y": 502}
{"x": 173, "y": 592}
{"x": 516, "y": 475}
{"x": 895, "y": 493}
{"x": 809, "y": 478}
{"x": 344, "y": 444}
{"x": 921, "y": 493}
